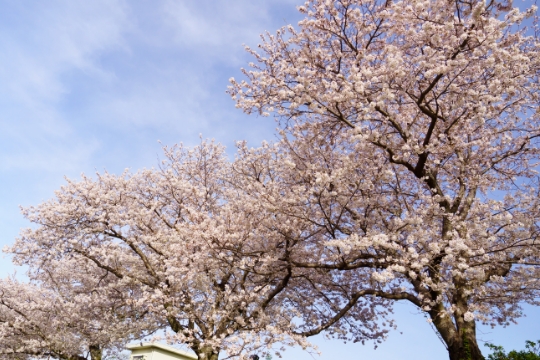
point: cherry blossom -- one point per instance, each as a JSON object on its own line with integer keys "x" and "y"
{"x": 191, "y": 247}
{"x": 410, "y": 141}
{"x": 40, "y": 321}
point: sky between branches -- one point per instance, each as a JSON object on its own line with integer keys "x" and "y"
{"x": 93, "y": 85}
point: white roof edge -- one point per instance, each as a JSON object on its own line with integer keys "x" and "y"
{"x": 168, "y": 348}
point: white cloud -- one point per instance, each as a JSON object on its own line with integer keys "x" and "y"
{"x": 54, "y": 38}
{"x": 88, "y": 85}
{"x": 219, "y": 28}
{"x": 43, "y": 46}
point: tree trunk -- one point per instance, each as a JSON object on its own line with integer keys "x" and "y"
{"x": 460, "y": 340}
{"x": 95, "y": 352}
{"x": 207, "y": 353}
{"x": 465, "y": 347}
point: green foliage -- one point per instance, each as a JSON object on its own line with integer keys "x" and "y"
{"x": 531, "y": 352}
{"x": 467, "y": 348}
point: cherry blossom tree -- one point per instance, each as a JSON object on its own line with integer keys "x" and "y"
{"x": 202, "y": 253}
{"x": 67, "y": 322}
{"x": 410, "y": 140}
{"x": 33, "y": 324}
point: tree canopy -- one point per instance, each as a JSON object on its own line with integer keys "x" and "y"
{"x": 437, "y": 103}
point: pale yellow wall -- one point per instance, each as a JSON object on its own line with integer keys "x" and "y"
{"x": 157, "y": 354}
{"x": 146, "y": 352}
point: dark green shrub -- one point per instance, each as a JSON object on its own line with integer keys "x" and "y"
{"x": 531, "y": 352}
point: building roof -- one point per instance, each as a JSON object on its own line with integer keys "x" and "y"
{"x": 142, "y": 346}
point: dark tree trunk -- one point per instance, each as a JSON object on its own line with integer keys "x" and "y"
{"x": 207, "y": 353}
{"x": 95, "y": 352}
{"x": 459, "y": 336}
{"x": 465, "y": 347}
{"x": 70, "y": 357}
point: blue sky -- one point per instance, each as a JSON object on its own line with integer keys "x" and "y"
{"x": 94, "y": 85}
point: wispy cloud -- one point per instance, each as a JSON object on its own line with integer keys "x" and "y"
{"x": 43, "y": 46}
{"x": 219, "y": 27}
{"x": 88, "y": 85}
{"x": 51, "y": 39}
